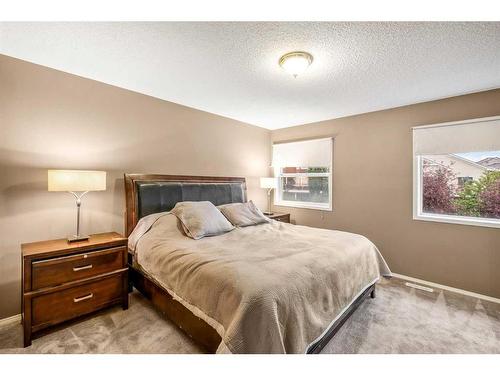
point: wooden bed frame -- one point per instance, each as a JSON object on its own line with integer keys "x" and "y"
{"x": 197, "y": 328}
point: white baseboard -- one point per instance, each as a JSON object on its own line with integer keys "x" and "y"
{"x": 448, "y": 288}
{"x": 10, "y": 320}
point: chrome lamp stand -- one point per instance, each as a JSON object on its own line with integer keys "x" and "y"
{"x": 78, "y": 236}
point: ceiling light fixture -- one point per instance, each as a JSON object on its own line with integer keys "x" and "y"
{"x": 296, "y": 62}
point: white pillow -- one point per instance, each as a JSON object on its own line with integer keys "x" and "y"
{"x": 201, "y": 219}
{"x": 243, "y": 214}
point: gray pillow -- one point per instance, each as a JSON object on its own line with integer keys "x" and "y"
{"x": 243, "y": 214}
{"x": 201, "y": 219}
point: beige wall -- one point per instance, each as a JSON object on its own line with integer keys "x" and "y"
{"x": 49, "y": 119}
{"x": 372, "y": 194}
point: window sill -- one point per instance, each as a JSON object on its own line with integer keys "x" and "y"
{"x": 303, "y": 205}
{"x": 463, "y": 220}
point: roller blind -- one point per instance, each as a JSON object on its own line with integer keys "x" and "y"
{"x": 311, "y": 153}
{"x": 475, "y": 135}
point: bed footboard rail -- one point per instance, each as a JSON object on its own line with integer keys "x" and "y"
{"x": 327, "y": 336}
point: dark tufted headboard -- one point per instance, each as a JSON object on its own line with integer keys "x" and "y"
{"x": 146, "y": 194}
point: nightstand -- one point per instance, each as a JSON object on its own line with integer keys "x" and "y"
{"x": 62, "y": 281}
{"x": 279, "y": 216}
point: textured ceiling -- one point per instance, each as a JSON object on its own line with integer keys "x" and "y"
{"x": 231, "y": 69}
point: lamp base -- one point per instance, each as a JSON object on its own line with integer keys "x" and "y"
{"x": 75, "y": 238}
{"x": 268, "y": 213}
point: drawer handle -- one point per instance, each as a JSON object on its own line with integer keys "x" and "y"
{"x": 87, "y": 267}
{"x": 79, "y": 299}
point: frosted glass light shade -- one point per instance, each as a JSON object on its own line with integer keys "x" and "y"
{"x": 76, "y": 180}
{"x": 296, "y": 63}
{"x": 268, "y": 183}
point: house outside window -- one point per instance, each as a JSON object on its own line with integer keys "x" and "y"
{"x": 457, "y": 172}
{"x": 461, "y": 181}
{"x": 304, "y": 173}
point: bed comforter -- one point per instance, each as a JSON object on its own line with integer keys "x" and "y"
{"x": 269, "y": 288}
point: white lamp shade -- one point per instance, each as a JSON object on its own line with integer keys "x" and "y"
{"x": 75, "y": 180}
{"x": 268, "y": 182}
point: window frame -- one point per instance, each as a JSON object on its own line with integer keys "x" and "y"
{"x": 299, "y": 204}
{"x": 418, "y": 213}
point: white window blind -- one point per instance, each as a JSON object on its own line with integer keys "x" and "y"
{"x": 482, "y": 135}
{"x": 311, "y": 153}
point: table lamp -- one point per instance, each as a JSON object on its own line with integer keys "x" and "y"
{"x": 78, "y": 183}
{"x": 270, "y": 184}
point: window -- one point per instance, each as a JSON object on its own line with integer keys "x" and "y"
{"x": 457, "y": 172}
{"x": 304, "y": 173}
{"x": 462, "y": 181}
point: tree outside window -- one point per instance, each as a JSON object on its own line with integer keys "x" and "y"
{"x": 441, "y": 194}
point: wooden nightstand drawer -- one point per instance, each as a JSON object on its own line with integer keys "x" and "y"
{"x": 57, "y": 271}
{"x": 59, "y": 306}
{"x": 64, "y": 280}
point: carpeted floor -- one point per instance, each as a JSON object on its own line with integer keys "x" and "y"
{"x": 399, "y": 320}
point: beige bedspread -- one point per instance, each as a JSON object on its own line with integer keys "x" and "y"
{"x": 269, "y": 288}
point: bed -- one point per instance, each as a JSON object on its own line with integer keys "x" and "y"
{"x": 268, "y": 288}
